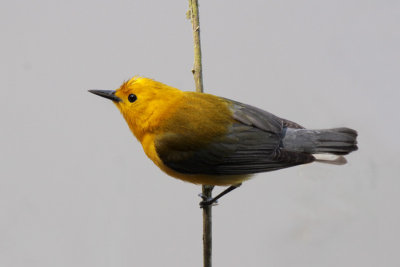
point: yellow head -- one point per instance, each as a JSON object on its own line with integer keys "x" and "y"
{"x": 144, "y": 103}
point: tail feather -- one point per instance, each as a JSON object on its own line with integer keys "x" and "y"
{"x": 337, "y": 141}
{"x": 330, "y": 159}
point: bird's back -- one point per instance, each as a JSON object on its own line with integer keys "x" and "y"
{"x": 218, "y": 138}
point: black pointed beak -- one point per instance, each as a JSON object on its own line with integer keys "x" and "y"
{"x": 110, "y": 94}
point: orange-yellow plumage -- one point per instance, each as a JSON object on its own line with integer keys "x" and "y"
{"x": 205, "y": 139}
{"x": 163, "y": 109}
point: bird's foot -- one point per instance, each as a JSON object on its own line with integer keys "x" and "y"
{"x": 207, "y": 201}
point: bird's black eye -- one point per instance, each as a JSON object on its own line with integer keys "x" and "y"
{"x": 132, "y": 98}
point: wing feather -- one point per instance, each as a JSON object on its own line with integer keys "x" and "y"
{"x": 251, "y": 145}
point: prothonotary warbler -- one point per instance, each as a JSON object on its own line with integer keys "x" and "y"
{"x": 205, "y": 139}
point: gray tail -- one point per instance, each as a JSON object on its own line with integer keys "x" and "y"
{"x": 337, "y": 141}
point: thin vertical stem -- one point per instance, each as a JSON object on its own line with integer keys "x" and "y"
{"x": 197, "y": 71}
{"x": 207, "y": 227}
{"x": 197, "y": 65}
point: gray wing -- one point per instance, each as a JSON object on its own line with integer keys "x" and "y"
{"x": 259, "y": 118}
{"x": 252, "y": 145}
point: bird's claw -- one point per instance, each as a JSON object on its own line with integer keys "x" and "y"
{"x": 207, "y": 201}
{"x": 202, "y": 196}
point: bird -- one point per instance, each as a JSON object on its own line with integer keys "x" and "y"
{"x": 209, "y": 140}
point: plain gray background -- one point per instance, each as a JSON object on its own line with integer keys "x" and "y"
{"x": 77, "y": 190}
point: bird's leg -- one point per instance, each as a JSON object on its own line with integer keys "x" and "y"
{"x": 214, "y": 200}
